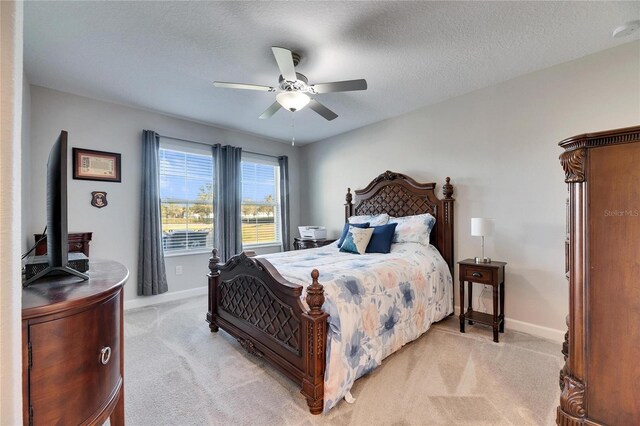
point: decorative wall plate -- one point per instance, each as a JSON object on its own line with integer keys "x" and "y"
{"x": 99, "y": 199}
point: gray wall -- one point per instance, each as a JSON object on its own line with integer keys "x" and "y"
{"x": 499, "y": 145}
{"x": 106, "y": 126}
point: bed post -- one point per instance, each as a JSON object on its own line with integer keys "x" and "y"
{"x": 214, "y": 275}
{"x": 447, "y": 249}
{"x": 447, "y": 235}
{"x": 314, "y": 338}
{"x": 348, "y": 206}
{"x": 447, "y": 203}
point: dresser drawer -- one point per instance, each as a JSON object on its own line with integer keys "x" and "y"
{"x": 477, "y": 274}
{"x": 75, "y": 364}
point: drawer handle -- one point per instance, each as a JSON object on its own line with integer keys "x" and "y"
{"x": 476, "y": 275}
{"x": 105, "y": 355}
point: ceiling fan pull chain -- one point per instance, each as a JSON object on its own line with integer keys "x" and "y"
{"x": 293, "y": 130}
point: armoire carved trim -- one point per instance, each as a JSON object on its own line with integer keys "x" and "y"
{"x": 572, "y": 397}
{"x": 609, "y": 137}
{"x": 573, "y": 165}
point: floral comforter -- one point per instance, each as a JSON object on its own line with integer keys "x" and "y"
{"x": 376, "y": 302}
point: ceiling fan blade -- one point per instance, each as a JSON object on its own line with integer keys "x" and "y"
{"x": 284, "y": 58}
{"x": 275, "y": 107}
{"x": 340, "y": 86}
{"x": 227, "y": 85}
{"x": 322, "y": 110}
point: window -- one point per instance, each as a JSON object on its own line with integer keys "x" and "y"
{"x": 186, "y": 198}
{"x": 260, "y": 201}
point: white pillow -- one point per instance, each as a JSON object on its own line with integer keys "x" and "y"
{"x": 357, "y": 240}
{"x": 413, "y": 229}
{"x": 373, "y": 219}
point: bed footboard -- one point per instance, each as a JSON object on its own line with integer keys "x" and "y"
{"x": 249, "y": 299}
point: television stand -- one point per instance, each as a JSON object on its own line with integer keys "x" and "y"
{"x": 72, "y": 335}
{"x": 38, "y": 267}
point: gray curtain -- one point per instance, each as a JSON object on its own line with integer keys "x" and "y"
{"x": 283, "y": 162}
{"x": 152, "y": 277}
{"x": 228, "y": 219}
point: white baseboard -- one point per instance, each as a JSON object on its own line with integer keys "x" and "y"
{"x": 529, "y": 328}
{"x": 535, "y": 330}
{"x": 142, "y": 301}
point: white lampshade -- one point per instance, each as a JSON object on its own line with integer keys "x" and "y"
{"x": 293, "y": 101}
{"x": 481, "y": 227}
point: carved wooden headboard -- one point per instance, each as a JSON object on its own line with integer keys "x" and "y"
{"x": 399, "y": 195}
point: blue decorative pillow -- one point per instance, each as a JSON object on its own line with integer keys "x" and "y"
{"x": 357, "y": 240}
{"x": 381, "y": 238}
{"x": 345, "y": 230}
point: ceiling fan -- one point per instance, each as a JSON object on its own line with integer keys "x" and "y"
{"x": 294, "y": 88}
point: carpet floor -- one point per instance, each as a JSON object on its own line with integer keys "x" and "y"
{"x": 178, "y": 373}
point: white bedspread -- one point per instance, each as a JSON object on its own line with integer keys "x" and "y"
{"x": 376, "y": 302}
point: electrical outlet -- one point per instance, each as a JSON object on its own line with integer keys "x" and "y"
{"x": 485, "y": 287}
{"x": 179, "y": 270}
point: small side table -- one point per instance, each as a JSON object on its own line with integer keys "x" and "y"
{"x": 483, "y": 273}
{"x": 302, "y": 243}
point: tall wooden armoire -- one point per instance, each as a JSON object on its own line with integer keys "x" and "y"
{"x": 601, "y": 378}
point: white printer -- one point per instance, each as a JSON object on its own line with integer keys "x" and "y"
{"x": 313, "y": 232}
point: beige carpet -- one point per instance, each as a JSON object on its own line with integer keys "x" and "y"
{"x": 178, "y": 373}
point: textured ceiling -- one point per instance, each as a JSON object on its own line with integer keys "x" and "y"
{"x": 164, "y": 56}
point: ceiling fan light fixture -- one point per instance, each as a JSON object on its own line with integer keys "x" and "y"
{"x": 293, "y": 101}
{"x": 626, "y": 29}
{"x": 293, "y": 90}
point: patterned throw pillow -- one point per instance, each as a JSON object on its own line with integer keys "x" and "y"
{"x": 357, "y": 240}
{"x": 413, "y": 229}
{"x": 345, "y": 230}
{"x": 373, "y": 219}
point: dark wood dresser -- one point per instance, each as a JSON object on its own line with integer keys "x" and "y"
{"x": 78, "y": 243}
{"x": 72, "y": 356}
{"x": 600, "y": 381}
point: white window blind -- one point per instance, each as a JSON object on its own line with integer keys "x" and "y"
{"x": 261, "y": 223}
{"x": 186, "y": 198}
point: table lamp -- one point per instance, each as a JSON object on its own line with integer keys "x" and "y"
{"x": 481, "y": 227}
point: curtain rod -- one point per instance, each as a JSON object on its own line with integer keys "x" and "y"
{"x": 208, "y": 144}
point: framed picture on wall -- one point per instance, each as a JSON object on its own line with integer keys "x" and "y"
{"x": 96, "y": 165}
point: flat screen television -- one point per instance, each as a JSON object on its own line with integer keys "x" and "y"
{"x": 57, "y": 232}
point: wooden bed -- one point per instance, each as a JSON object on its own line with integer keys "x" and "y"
{"x": 250, "y": 300}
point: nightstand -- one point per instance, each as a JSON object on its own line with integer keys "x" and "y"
{"x": 482, "y": 273}
{"x": 302, "y": 243}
